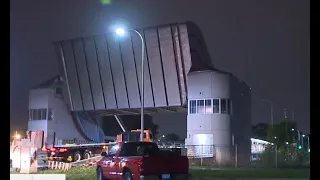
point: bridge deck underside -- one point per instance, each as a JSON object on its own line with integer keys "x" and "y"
{"x": 103, "y": 72}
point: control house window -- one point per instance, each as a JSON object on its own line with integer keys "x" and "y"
{"x": 207, "y": 105}
{"x": 43, "y": 113}
{"x": 40, "y": 114}
{"x": 192, "y": 106}
{"x": 223, "y": 106}
{"x": 210, "y": 106}
{"x": 200, "y": 106}
{"x": 50, "y": 114}
{"x": 30, "y": 114}
{"x": 59, "y": 90}
{"x": 216, "y": 105}
{"x": 35, "y": 114}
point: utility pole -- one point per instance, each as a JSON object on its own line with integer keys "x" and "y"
{"x": 292, "y": 115}
{"x": 271, "y": 109}
{"x": 285, "y": 112}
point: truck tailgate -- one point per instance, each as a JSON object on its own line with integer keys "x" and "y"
{"x": 165, "y": 165}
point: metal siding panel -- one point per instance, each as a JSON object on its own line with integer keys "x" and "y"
{"x": 106, "y": 73}
{"x": 185, "y": 54}
{"x": 62, "y": 70}
{"x": 130, "y": 72}
{"x": 117, "y": 70}
{"x": 148, "y": 92}
{"x": 179, "y": 63}
{"x": 155, "y": 67}
{"x": 72, "y": 76}
{"x": 94, "y": 74}
{"x": 84, "y": 81}
{"x": 166, "y": 67}
{"x": 185, "y": 47}
{"x": 169, "y": 66}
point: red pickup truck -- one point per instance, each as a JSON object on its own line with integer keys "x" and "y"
{"x": 141, "y": 161}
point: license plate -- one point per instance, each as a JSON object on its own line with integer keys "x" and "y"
{"x": 52, "y": 153}
{"x": 165, "y": 176}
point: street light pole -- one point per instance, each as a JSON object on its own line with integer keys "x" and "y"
{"x": 121, "y": 31}
{"x": 142, "y": 86}
{"x": 308, "y": 143}
{"x": 298, "y": 134}
{"x": 271, "y": 110}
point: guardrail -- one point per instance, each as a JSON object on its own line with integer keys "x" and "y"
{"x": 59, "y": 165}
{"x": 66, "y": 166}
{"x": 87, "y": 162}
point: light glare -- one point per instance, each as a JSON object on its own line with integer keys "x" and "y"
{"x": 120, "y": 31}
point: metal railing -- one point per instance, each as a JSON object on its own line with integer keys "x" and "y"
{"x": 201, "y": 151}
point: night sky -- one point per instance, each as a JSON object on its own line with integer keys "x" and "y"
{"x": 265, "y": 43}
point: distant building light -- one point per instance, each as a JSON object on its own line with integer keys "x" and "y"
{"x": 17, "y": 136}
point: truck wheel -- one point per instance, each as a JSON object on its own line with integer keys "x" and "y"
{"x": 128, "y": 176}
{"x": 100, "y": 174}
{"x": 86, "y": 155}
{"x": 77, "y": 156}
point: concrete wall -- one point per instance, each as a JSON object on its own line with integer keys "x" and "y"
{"x": 221, "y": 126}
{"x": 241, "y": 119}
{"x": 38, "y": 99}
{"x": 206, "y": 85}
{"x": 38, "y": 176}
{"x": 62, "y": 122}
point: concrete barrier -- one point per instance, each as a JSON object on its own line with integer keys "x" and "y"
{"x": 86, "y": 162}
{"x": 37, "y": 176}
{"x": 59, "y": 165}
{"x": 250, "y": 178}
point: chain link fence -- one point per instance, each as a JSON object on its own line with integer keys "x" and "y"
{"x": 281, "y": 157}
{"x": 210, "y": 155}
{"x": 228, "y": 156}
{"x": 201, "y": 155}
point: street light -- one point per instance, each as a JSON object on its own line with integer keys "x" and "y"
{"x": 308, "y": 144}
{"x": 17, "y": 136}
{"x": 271, "y": 109}
{"x": 298, "y": 134}
{"x": 121, "y": 31}
{"x": 299, "y": 138}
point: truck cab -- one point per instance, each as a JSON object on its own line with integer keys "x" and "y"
{"x": 134, "y": 135}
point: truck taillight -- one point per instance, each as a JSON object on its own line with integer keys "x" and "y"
{"x": 63, "y": 150}
{"x": 140, "y": 166}
{"x": 53, "y": 149}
